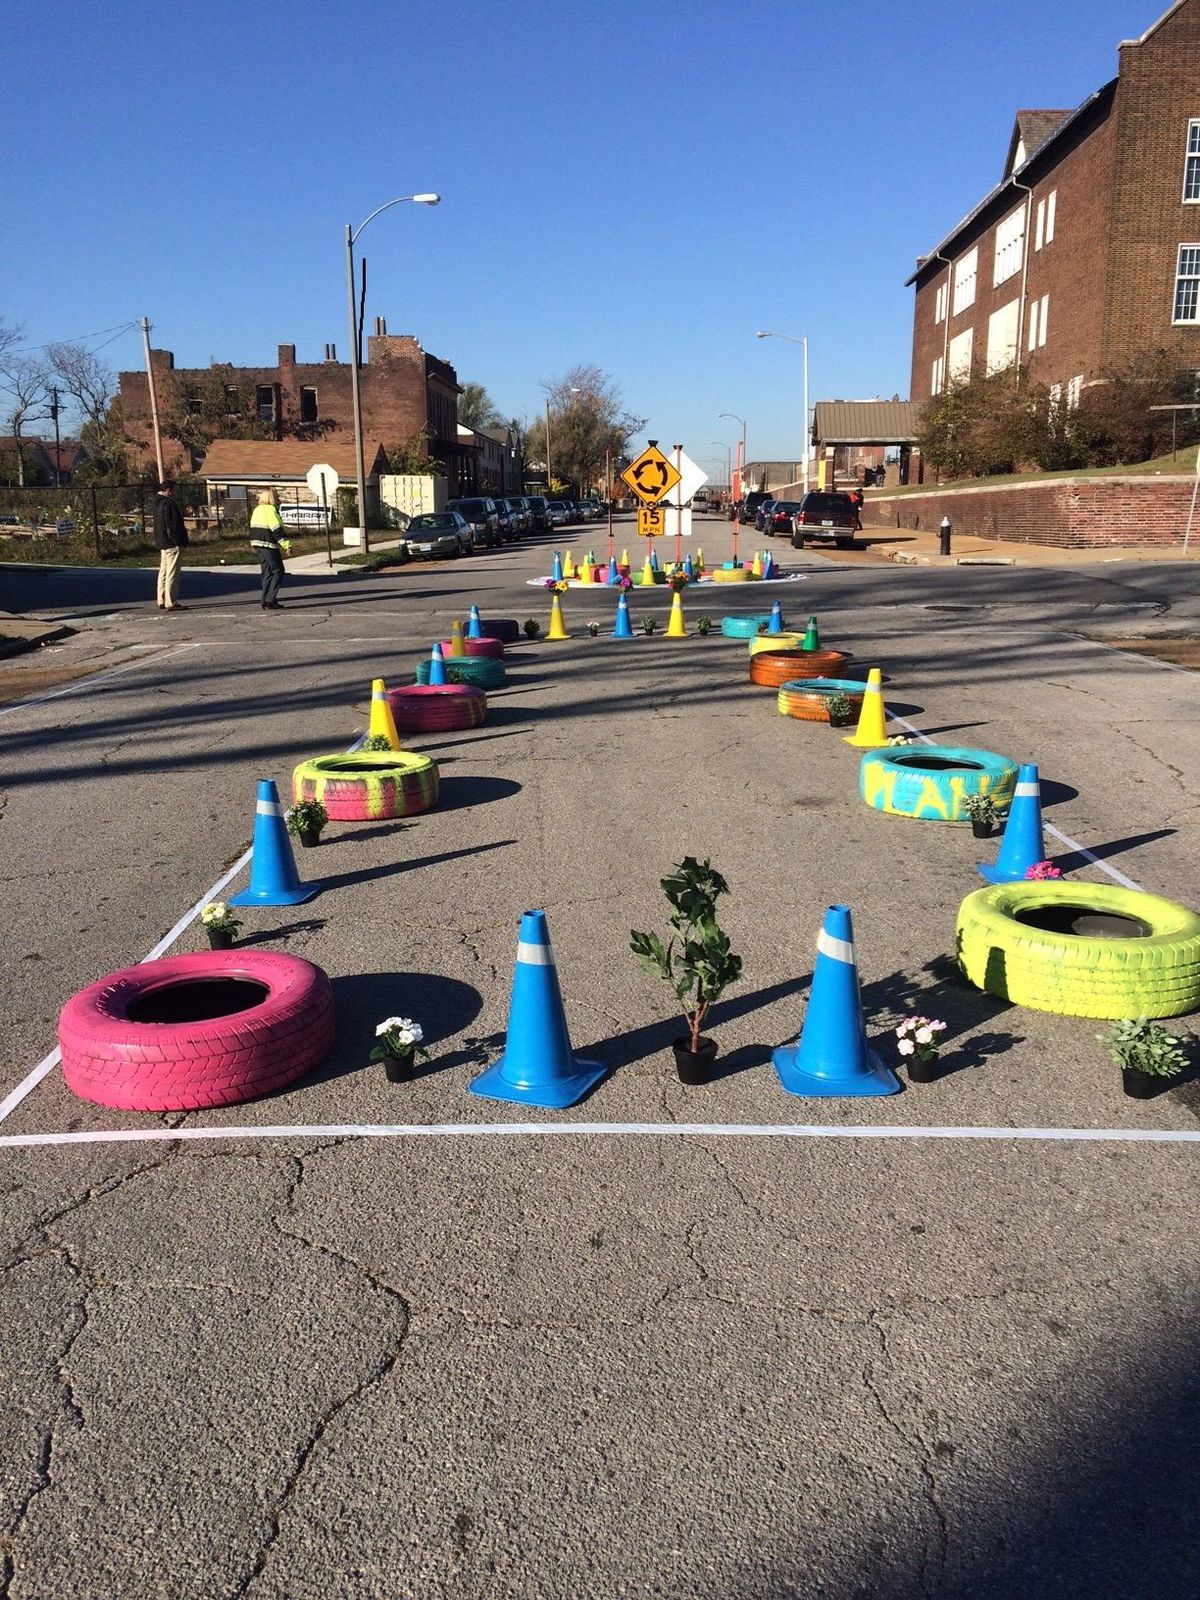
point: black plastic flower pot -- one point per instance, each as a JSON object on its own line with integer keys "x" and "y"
{"x": 923, "y": 1071}
{"x": 981, "y": 830}
{"x": 1139, "y": 1085}
{"x": 396, "y": 1068}
{"x": 219, "y": 938}
{"x": 309, "y": 837}
{"x": 694, "y": 1066}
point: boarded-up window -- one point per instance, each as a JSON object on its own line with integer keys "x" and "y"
{"x": 308, "y": 405}
{"x": 960, "y": 355}
{"x": 1002, "y": 337}
{"x": 1010, "y": 244}
{"x": 965, "y": 269}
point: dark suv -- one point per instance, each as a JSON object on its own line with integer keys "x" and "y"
{"x": 825, "y": 515}
{"x": 483, "y": 517}
{"x": 747, "y": 508}
{"x": 538, "y": 504}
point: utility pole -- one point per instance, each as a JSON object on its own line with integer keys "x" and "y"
{"x": 57, "y": 450}
{"x": 158, "y": 455}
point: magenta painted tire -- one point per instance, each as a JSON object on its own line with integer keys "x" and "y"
{"x": 492, "y": 648}
{"x": 200, "y": 1030}
{"x": 506, "y": 629}
{"x": 437, "y": 708}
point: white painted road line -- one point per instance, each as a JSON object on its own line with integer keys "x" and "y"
{"x": 602, "y": 1130}
{"x": 1063, "y": 838}
{"x": 82, "y": 685}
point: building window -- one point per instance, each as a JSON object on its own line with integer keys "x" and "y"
{"x": 1039, "y": 313}
{"x": 1051, "y": 207}
{"x": 938, "y": 377}
{"x": 965, "y": 269}
{"x": 1191, "y": 165}
{"x": 1043, "y": 230}
{"x": 308, "y": 405}
{"x": 233, "y": 400}
{"x": 960, "y": 355}
{"x": 1074, "y": 390}
{"x": 1010, "y": 246}
{"x": 1044, "y": 318}
{"x": 1003, "y": 337}
{"x": 193, "y": 405}
{"x": 939, "y": 302}
{"x": 1187, "y": 284}
{"x": 264, "y": 402}
{"x": 1055, "y": 398}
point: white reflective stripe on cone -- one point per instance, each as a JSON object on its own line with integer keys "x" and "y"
{"x": 838, "y": 949}
{"x": 268, "y": 808}
{"x": 1026, "y": 791}
{"x": 534, "y": 955}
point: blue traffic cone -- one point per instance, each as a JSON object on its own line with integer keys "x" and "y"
{"x": 537, "y": 1067}
{"x": 832, "y": 1058}
{"x": 622, "y": 629}
{"x": 775, "y": 625}
{"x": 274, "y": 880}
{"x": 613, "y": 574}
{"x": 688, "y": 568}
{"x": 437, "y": 668}
{"x": 654, "y": 560}
{"x": 474, "y": 624}
{"x": 556, "y": 573}
{"x": 769, "y": 568}
{"x": 1022, "y": 846}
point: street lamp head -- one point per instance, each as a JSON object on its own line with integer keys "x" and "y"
{"x": 427, "y": 199}
{"x": 761, "y": 335}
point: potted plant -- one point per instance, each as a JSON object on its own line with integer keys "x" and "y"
{"x": 696, "y": 960}
{"x": 593, "y": 628}
{"x": 220, "y": 925}
{"x": 376, "y": 742}
{"x": 400, "y": 1043}
{"x": 678, "y": 581}
{"x": 532, "y": 627}
{"x": 648, "y": 625}
{"x": 981, "y": 810}
{"x": 1147, "y": 1055}
{"x": 917, "y": 1038}
{"x": 704, "y": 626}
{"x": 840, "y": 710}
{"x": 306, "y": 819}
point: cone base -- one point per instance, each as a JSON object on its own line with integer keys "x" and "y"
{"x": 877, "y": 1080}
{"x": 555, "y": 1095}
{"x": 275, "y": 897}
{"x": 995, "y": 873}
{"x": 864, "y": 744}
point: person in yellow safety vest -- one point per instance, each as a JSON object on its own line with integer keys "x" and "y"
{"x": 266, "y": 526}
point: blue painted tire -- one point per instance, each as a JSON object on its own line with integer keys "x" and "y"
{"x": 481, "y": 672}
{"x": 932, "y": 781}
{"x": 744, "y": 627}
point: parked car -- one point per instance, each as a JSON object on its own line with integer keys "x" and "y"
{"x": 594, "y": 510}
{"x": 826, "y": 515}
{"x": 508, "y": 526}
{"x": 518, "y": 508}
{"x": 748, "y": 505}
{"x": 482, "y": 515}
{"x": 539, "y": 508}
{"x": 779, "y": 518}
{"x": 560, "y": 514}
{"x": 761, "y": 512}
{"x": 439, "y": 533}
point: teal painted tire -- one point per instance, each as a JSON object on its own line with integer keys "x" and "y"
{"x": 933, "y": 781}
{"x": 481, "y": 672}
{"x": 1040, "y": 945}
{"x": 744, "y": 627}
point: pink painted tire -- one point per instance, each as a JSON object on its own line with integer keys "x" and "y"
{"x": 210, "y": 1029}
{"x": 437, "y": 708}
{"x": 506, "y": 629}
{"x": 492, "y": 648}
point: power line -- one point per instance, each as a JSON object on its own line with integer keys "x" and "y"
{"x": 78, "y": 339}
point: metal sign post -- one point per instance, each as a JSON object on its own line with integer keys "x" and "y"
{"x": 1192, "y": 509}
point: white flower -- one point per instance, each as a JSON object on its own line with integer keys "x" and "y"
{"x": 406, "y": 1031}
{"x": 389, "y": 1022}
{"x": 938, "y": 1027}
{"x": 214, "y": 911}
{"x": 906, "y": 1047}
{"x": 924, "y": 1035}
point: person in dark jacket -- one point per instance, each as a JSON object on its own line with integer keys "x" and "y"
{"x": 170, "y": 536}
{"x": 266, "y": 529}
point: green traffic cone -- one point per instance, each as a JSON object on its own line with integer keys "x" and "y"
{"x": 812, "y": 639}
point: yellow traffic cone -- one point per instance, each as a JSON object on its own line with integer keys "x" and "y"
{"x": 457, "y": 647}
{"x": 585, "y": 573}
{"x": 383, "y": 723}
{"x": 557, "y": 630}
{"x": 625, "y": 558}
{"x": 648, "y": 573}
{"x": 675, "y": 627}
{"x": 756, "y": 566}
{"x": 871, "y": 733}
{"x": 698, "y": 561}
{"x": 569, "y": 566}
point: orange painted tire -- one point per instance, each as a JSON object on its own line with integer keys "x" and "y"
{"x": 771, "y": 668}
{"x": 808, "y": 701}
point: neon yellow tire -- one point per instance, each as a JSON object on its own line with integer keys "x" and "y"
{"x": 1016, "y": 941}
{"x": 730, "y": 574}
{"x": 776, "y": 641}
{"x": 368, "y": 785}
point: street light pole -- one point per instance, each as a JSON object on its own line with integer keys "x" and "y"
{"x": 547, "y": 444}
{"x": 355, "y": 354}
{"x": 732, "y": 418}
{"x": 728, "y": 461}
{"x": 792, "y": 339}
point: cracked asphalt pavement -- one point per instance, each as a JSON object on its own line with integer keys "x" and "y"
{"x": 672, "y": 1363}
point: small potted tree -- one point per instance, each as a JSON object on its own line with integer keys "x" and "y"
{"x": 306, "y": 819}
{"x": 1147, "y": 1055}
{"x": 840, "y": 709}
{"x": 696, "y": 960}
{"x": 704, "y": 626}
{"x": 376, "y": 742}
{"x": 219, "y": 924}
{"x": 532, "y": 627}
{"x": 981, "y": 812}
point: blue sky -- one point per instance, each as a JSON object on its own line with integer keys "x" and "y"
{"x": 636, "y": 187}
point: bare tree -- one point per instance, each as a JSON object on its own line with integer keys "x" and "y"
{"x": 587, "y": 419}
{"x": 24, "y": 380}
{"x": 91, "y": 384}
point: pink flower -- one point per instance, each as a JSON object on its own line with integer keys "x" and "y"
{"x": 1041, "y": 871}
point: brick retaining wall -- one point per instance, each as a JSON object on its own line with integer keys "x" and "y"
{"x": 1068, "y": 513}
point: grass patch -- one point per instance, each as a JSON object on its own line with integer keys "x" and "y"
{"x": 135, "y": 550}
{"x": 1181, "y": 652}
{"x": 1183, "y": 463}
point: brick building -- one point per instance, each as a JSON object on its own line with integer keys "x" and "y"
{"x": 1087, "y": 253}
{"x": 406, "y": 392}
